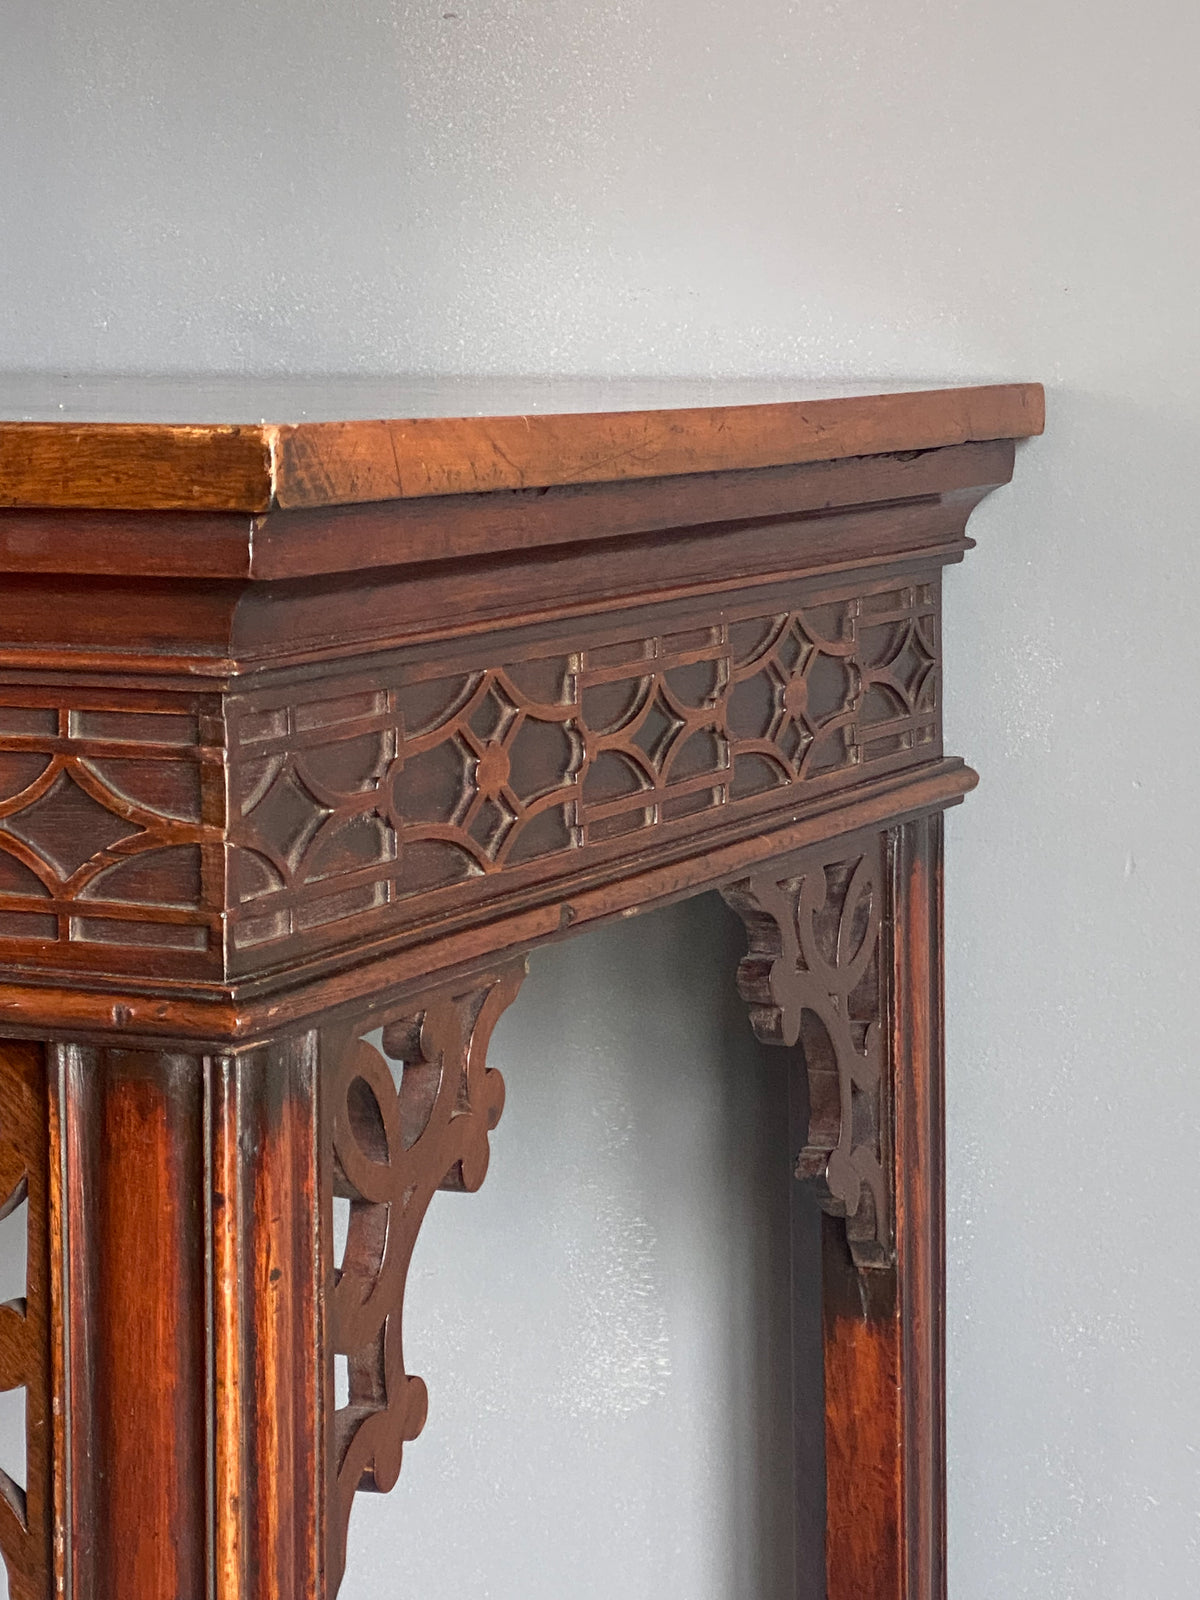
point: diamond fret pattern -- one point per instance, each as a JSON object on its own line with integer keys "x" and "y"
{"x": 411, "y": 780}
{"x": 65, "y": 828}
{"x": 348, "y": 806}
{"x": 104, "y": 815}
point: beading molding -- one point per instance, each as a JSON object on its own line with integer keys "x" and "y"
{"x": 311, "y": 730}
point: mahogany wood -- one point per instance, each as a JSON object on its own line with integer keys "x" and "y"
{"x": 193, "y": 465}
{"x": 311, "y": 731}
{"x": 845, "y": 962}
{"x": 26, "y": 1513}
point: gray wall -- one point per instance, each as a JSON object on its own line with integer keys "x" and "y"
{"x": 604, "y": 1327}
{"x": 892, "y": 187}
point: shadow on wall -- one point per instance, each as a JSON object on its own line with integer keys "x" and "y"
{"x": 605, "y": 1327}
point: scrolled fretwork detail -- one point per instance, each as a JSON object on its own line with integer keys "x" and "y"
{"x": 814, "y": 980}
{"x": 401, "y": 1122}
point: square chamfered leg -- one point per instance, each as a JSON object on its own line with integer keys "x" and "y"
{"x": 308, "y": 735}
{"x": 844, "y": 966}
{"x": 207, "y": 1385}
{"x": 182, "y": 1252}
{"x": 186, "y": 1326}
{"x": 197, "y": 1306}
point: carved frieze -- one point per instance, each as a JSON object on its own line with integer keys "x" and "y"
{"x": 227, "y": 833}
{"x": 111, "y": 813}
{"x": 413, "y": 781}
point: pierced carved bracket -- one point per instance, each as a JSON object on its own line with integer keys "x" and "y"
{"x": 402, "y": 1123}
{"x": 814, "y": 979}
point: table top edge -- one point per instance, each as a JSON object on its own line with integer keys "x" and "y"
{"x": 253, "y": 467}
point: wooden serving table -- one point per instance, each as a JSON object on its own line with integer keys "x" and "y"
{"x": 310, "y": 728}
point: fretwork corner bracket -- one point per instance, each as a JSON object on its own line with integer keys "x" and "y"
{"x": 300, "y": 725}
{"x": 404, "y": 1118}
{"x": 815, "y": 980}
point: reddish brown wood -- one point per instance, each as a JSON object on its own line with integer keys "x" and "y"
{"x": 329, "y": 752}
{"x": 815, "y": 979}
{"x": 299, "y": 544}
{"x": 393, "y": 1145}
{"x": 196, "y": 466}
{"x": 844, "y": 966}
{"x": 920, "y": 1191}
{"x": 884, "y": 1336}
{"x": 266, "y": 1249}
{"x": 189, "y": 1330}
{"x": 133, "y": 1213}
{"x": 25, "y": 1489}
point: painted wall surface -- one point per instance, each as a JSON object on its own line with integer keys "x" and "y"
{"x": 604, "y": 1327}
{"x": 816, "y": 187}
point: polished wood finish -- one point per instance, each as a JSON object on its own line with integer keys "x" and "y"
{"x": 308, "y": 734}
{"x": 193, "y": 465}
{"x": 845, "y": 962}
{"x": 394, "y": 1145}
{"x": 26, "y": 1512}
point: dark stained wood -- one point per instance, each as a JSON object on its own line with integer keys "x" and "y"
{"x": 844, "y": 967}
{"x": 884, "y": 1334}
{"x": 25, "y": 1487}
{"x": 217, "y": 467}
{"x": 396, "y": 1137}
{"x": 298, "y": 544}
{"x": 310, "y": 728}
{"x": 251, "y": 1010}
{"x": 815, "y": 980}
{"x": 920, "y": 1185}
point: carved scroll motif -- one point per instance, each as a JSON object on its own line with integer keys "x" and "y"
{"x": 24, "y": 1356}
{"x": 403, "y": 1123}
{"x": 814, "y": 979}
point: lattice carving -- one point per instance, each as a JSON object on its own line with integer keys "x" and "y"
{"x": 105, "y": 817}
{"x": 403, "y": 1122}
{"x": 422, "y": 781}
{"x": 25, "y": 1508}
{"x": 814, "y": 979}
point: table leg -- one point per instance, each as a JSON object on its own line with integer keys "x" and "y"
{"x": 844, "y": 965}
{"x": 186, "y": 1320}
{"x": 198, "y": 1308}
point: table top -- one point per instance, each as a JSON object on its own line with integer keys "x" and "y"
{"x": 251, "y": 445}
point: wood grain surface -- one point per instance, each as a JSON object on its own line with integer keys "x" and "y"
{"x": 442, "y": 528}
{"x": 311, "y": 728}
{"x": 250, "y": 468}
